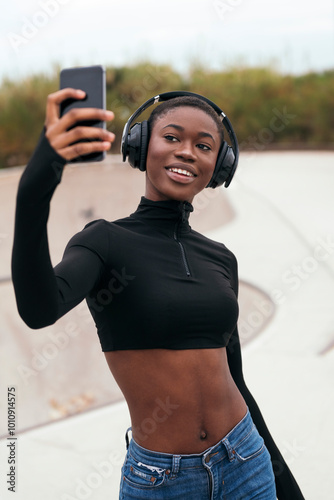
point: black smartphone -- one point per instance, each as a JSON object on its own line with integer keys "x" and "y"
{"x": 91, "y": 79}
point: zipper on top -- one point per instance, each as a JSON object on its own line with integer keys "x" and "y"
{"x": 183, "y": 253}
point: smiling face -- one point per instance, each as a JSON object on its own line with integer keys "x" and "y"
{"x": 182, "y": 154}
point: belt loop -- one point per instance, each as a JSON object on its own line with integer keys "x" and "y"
{"x": 229, "y": 449}
{"x": 176, "y": 465}
{"x": 127, "y": 441}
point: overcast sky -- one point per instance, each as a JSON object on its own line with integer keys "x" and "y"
{"x": 295, "y": 35}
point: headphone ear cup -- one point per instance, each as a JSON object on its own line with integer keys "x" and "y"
{"x": 224, "y": 168}
{"x": 137, "y": 144}
{"x": 233, "y": 160}
{"x": 133, "y": 145}
{"x": 143, "y": 145}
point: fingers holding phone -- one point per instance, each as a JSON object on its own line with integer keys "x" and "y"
{"x": 76, "y": 119}
{"x": 65, "y": 132}
{"x": 80, "y": 142}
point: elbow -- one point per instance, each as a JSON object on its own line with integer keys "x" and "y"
{"x": 39, "y": 319}
{"x": 36, "y": 323}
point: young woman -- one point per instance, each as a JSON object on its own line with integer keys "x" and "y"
{"x": 164, "y": 300}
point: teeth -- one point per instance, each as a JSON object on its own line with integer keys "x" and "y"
{"x": 181, "y": 171}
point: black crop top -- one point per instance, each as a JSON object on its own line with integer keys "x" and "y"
{"x": 159, "y": 283}
{"x": 149, "y": 280}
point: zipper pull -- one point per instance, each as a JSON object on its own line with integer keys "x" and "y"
{"x": 186, "y": 209}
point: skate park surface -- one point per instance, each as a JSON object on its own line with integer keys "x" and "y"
{"x": 276, "y": 217}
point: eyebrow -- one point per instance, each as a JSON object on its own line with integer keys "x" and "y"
{"x": 178, "y": 127}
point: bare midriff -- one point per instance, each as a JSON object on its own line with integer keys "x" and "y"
{"x": 180, "y": 401}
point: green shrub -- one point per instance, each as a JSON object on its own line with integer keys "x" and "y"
{"x": 267, "y": 109}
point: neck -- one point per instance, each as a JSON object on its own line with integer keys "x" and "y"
{"x": 164, "y": 210}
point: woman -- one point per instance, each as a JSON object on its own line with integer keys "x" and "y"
{"x": 164, "y": 299}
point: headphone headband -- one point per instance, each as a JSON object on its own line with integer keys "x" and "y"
{"x": 224, "y": 171}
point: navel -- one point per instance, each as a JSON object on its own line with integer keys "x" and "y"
{"x": 203, "y": 435}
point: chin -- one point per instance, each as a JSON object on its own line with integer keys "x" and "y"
{"x": 180, "y": 194}
{"x": 172, "y": 191}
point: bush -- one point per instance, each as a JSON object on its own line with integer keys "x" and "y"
{"x": 255, "y": 99}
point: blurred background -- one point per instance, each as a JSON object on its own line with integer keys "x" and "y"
{"x": 251, "y": 57}
{"x": 270, "y": 67}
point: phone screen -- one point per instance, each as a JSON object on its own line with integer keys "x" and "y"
{"x": 92, "y": 80}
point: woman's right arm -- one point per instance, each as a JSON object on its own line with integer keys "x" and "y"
{"x": 41, "y": 295}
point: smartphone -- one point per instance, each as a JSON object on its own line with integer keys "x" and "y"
{"x": 91, "y": 79}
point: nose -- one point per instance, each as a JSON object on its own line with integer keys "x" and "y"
{"x": 185, "y": 150}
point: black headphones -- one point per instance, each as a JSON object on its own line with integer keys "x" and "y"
{"x": 135, "y": 140}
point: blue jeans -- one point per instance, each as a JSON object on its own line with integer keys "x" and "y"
{"x": 237, "y": 468}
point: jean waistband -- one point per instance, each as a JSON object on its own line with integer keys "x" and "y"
{"x": 224, "y": 448}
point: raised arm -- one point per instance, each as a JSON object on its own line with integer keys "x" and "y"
{"x": 42, "y": 294}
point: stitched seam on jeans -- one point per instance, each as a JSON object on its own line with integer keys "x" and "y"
{"x": 139, "y": 462}
{"x": 144, "y": 486}
{"x": 244, "y": 438}
{"x": 191, "y": 467}
{"x": 253, "y": 455}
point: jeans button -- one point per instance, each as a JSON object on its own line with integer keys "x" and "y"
{"x": 207, "y": 459}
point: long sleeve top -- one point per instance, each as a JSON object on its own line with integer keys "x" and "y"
{"x": 150, "y": 281}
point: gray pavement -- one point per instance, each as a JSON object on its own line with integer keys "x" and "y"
{"x": 277, "y": 218}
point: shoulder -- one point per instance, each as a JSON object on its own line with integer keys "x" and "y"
{"x": 216, "y": 246}
{"x": 221, "y": 253}
{"x": 101, "y": 231}
{"x": 94, "y": 228}
{"x": 94, "y": 236}
{"x": 101, "y": 236}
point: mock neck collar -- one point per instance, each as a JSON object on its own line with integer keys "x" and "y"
{"x": 167, "y": 211}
